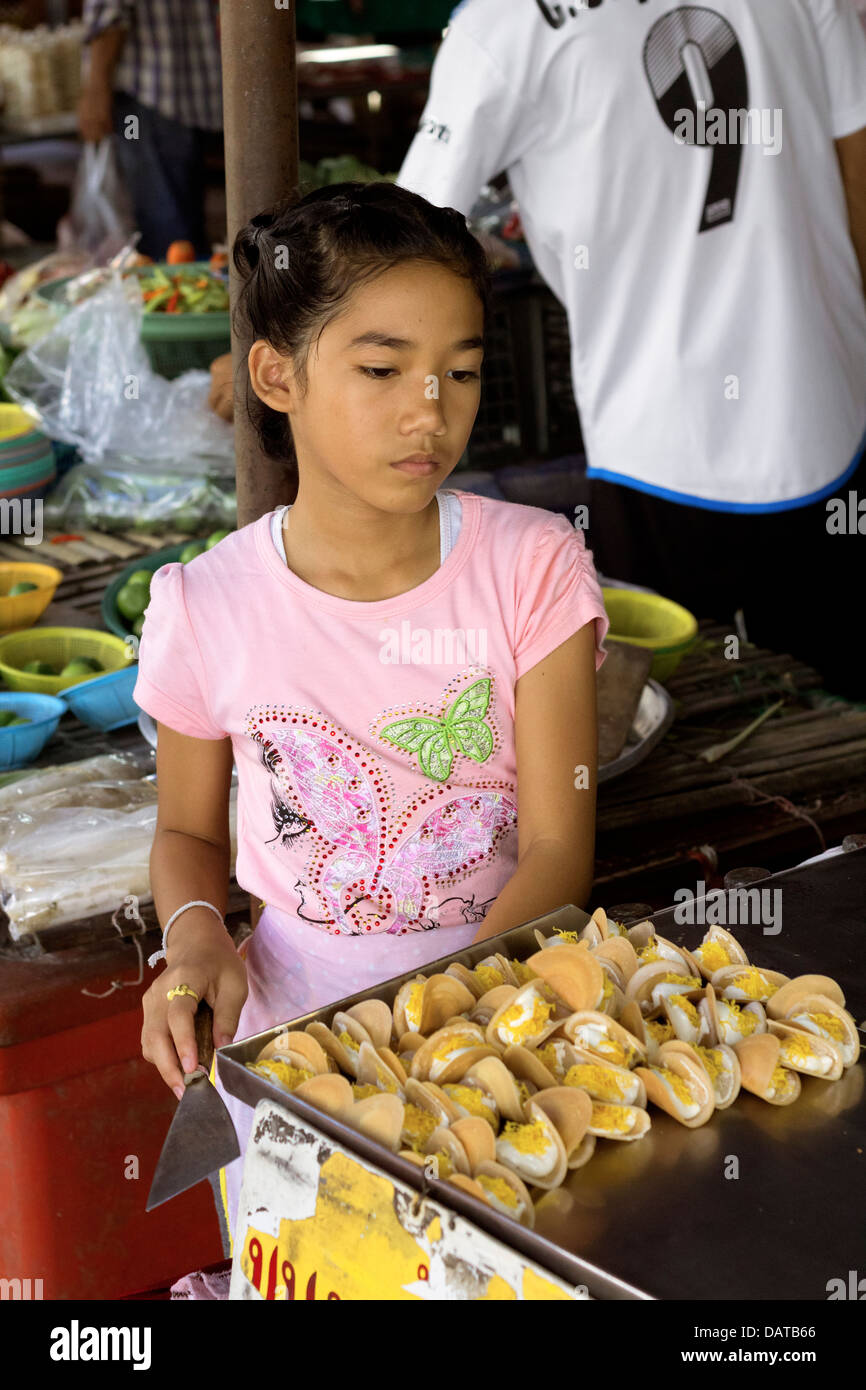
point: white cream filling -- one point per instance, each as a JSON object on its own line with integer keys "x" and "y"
{"x": 666, "y": 987}
{"x": 515, "y": 1030}
{"x": 439, "y": 1064}
{"x": 688, "y": 1112}
{"x": 538, "y": 1165}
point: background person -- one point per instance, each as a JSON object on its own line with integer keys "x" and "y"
{"x": 159, "y": 61}
{"x": 714, "y": 295}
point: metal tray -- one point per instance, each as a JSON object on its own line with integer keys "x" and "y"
{"x": 653, "y": 718}
{"x": 664, "y": 1217}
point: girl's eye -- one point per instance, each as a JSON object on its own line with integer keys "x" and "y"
{"x": 377, "y": 373}
{"x": 462, "y": 376}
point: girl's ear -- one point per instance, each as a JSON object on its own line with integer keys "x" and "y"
{"x": 270, "y": 375}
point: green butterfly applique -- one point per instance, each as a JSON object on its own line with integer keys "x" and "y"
{"x": 461, "y": 730}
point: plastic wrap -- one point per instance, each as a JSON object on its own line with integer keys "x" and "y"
{"x": 124, "y": 497}
{"x": 91, "y": 384}
{"x": 68, "y": 863}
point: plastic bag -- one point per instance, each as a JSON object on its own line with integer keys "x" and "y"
{"x": 140, "y": 497}
{"x": 77, "y": 862}
{"x": 100, "y": 216}
{"x": 91, "y": 383}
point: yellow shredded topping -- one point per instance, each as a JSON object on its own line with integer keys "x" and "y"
{"x": 348, "y": 1041}
{"x": 446, "y": 1167}
{"x": 753, "y": 984}
{"x": 488, "y": 976}
{"x": 713, "y": 956}
{"x": 735, "y": 1017}
{"x": 681, "y": 1002}
{"x": 524, "y": 972}
{"x": 650, "y": 952}
{"x": 523, "y": 1091}
{"x": 282, "y": 1072}
{"x": 677, "y": 1085}
{"x": 598, "y": 1081}
{"x": 473, "y": 1100}
{"x": 418, "y": 1125}
{"x": 672, "y": 977}
{"x": 549, "y": 1057}
{"x": 528, "y": 1139}
{"x": 361, "y": 1092}
{"x": 456, "y": 1042}
{"x": 712, "y": 1060}
{"x": 521, "y": 1027}
{"x": 660, "y": 1031}
{"x": 387, "y": 1080}
{"x": 617, "y": 1119}
{"x": 832, "y": 1025}
{"x": 571, "y": 936}
{"x": 798, "y": 1049}
{"x": 500, "y": 1189}
{"x": 607, "y": 992}
{"x": 781, "y": 1081}
{"x": 612, "y": 1051}
{"x": 414, "y": 1004}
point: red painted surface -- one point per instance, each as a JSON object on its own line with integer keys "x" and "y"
{"x": 77, "y": 1105}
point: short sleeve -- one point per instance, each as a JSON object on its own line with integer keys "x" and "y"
{"x": 558, "y": 594}
{"x": 171, "y": 685}
{"x": 475, "y": 125}
{"x": 842, "y": 41}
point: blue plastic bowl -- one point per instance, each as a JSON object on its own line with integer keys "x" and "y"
{"x": 24, "y": 742}
{"x": 105, "y": 702}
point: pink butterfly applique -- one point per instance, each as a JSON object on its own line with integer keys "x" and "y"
{"x": 366, "y": 870}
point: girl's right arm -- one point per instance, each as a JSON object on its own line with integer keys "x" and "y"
{"x": 191, "y": 859}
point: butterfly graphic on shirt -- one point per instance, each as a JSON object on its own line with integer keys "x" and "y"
{"x": 466, "y": 909}
{"x": 461, "y": 729}
{"x": 366, "y": 870}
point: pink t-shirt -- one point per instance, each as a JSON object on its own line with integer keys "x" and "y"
{"x": 374, "y": 742}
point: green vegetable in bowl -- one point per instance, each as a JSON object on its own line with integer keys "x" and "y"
{"x": 39, "y": 668}
{"x": 22, "y": 587}
{"x": 80, "y": 666}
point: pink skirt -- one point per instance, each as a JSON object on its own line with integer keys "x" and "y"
{"x": 293, "y": 968}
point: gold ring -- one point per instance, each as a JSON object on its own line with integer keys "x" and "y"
{"x": 183, "y": 989}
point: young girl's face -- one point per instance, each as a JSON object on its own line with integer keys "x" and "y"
{"x": 396, "y": 374}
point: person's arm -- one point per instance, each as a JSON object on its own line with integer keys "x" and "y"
{"x": 476, "y": 122}
{"x": 852, "y": 160}
{"x": 190, "y": 859}
{"x": 555, "y": 733}
{"x": 106, "y": 30}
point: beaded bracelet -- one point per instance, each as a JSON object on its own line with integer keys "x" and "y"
{"x": 198, "y": 902}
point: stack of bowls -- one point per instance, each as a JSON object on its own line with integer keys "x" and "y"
{"x": 27, "y": 468}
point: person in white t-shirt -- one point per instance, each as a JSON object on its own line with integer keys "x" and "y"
{"x": 692, "y": 185}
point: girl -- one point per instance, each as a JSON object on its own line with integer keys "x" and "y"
{"x": 387, "y": 663}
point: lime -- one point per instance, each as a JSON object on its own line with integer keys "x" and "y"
{"x": 214, "y": 539}
{"x": 140, "y": 577}
{"x": 19, "y": 720}
{"x": 133, "y": 599}
{"x": 190, "y": 551}
{"x": 80, "y": 666}
{"x": 39, "y": 668}
{"x": 138, "y": 625}
{"x": 21, "y": 588}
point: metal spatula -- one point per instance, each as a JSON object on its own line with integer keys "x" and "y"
{"x": 202, "y": 1136}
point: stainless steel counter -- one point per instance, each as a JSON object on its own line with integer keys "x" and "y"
{"x": 762, "y": 1202}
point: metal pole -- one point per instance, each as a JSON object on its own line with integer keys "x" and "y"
{"x": 260, "y": 119}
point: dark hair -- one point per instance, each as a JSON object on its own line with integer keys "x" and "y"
{"x": 300, "y": 261}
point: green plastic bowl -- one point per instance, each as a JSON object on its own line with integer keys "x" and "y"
{"x": 648, "y": 620}
{"x": 111, "y": 615}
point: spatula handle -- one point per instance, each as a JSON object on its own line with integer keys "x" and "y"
{"x": 203, "y": 1024}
